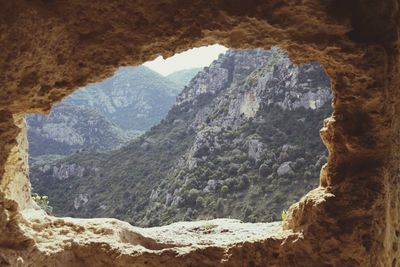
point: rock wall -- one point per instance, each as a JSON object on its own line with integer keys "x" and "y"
{"x": 49, "y": 48}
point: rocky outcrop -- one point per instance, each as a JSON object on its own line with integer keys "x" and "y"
{"x": 256, "y": 148}
{"x": 50, "y": 48}
{"x": 285, "y": 169}
{"x": 66, "y": 171}
{"x": 229, "y": 68}
{"x": 80, "y": 200}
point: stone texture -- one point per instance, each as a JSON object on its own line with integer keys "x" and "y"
{"x": 285, "y": 168}
{"x": 50, "y": 48}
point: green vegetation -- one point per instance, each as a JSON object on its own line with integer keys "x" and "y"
{"x": 283, "y": 215}
{"x": 209, "y": 226}
{"x": 105, "y": 115}
{"x": 66, "y": 130}
{"x": 43, "y": 202}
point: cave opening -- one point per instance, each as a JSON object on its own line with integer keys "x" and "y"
{"x": 235, "y": 138}
{"x": 50, "y": 48}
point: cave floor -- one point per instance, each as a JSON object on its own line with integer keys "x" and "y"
{"x": 55, "y": 234}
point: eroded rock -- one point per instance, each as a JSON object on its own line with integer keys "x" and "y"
{"x": 50, "y": 48}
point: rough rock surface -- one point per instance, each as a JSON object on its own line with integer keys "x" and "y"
{"x": 50, "y": 48}
{"x": 178, "y": 244}
{"x": 285, "y": 168}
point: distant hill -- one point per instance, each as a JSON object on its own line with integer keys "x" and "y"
{"x": 104, "y": 115}
{"x": 69, "y": 128}
{"x": 183, "y": 77}
{"x": 242, "y": 141}
{"x": 134, "y": 98}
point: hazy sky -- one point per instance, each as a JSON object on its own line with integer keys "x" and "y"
{"x": 196, "y": 57}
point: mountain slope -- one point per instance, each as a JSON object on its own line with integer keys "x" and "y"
{"x": 69, "y": 128}
{"x": 183, "y": 77}
{"x": 134, "y": 98}
{"x": 242, "y": 141}
{"x": 103, "y": 116}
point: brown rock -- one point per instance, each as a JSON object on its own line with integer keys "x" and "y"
{"x": 49, "y": 48}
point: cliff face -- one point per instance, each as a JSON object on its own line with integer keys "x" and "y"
{"x": 257, "y": 138}
{"x": 244, "y": 129}
{"x": 51, "y": 48}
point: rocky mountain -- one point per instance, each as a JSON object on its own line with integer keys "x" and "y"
{"x": 242, "y": 141}
{"x": 69, "y": 128}
{"x": 134, "y": 98}
{"x": 104, "y": 115}
{"x": 183, "y": 77}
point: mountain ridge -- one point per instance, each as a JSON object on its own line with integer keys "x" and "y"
{"x": 119, "y": 109}
{"x": 183, "y": 77}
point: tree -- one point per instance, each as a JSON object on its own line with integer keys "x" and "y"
{"x": 200, "y": 202}
{"x": 189, "y": 214}
{"x": 219, "y": 207}
{"x": 263, "y": 171}
{"x": 224, "y": 190}
{"x": 192, "y": 196}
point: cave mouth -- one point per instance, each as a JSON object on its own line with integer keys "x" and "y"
{"x": 52, "y": 47}
{"x": 239, "y": 139}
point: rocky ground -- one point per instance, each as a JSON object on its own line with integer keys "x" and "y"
{"x": 183, "y": 238}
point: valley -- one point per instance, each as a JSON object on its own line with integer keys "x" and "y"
{"x": 240, "y": 141}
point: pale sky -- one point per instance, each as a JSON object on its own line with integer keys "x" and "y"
{"x": 192, "y": 58}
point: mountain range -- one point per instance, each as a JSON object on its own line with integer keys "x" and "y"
{"x": 106, "y": 115}
{"x": 241, "y": 141}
